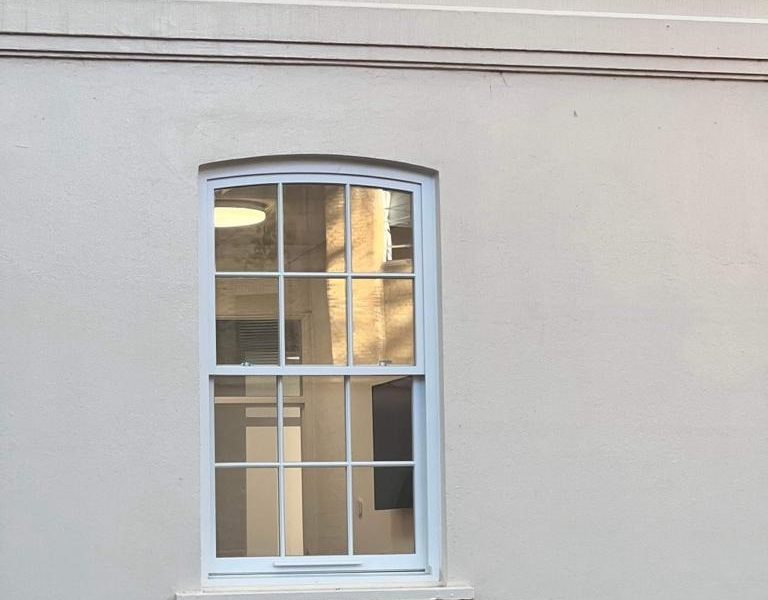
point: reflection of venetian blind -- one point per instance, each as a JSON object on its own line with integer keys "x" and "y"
{"x": 258, "y": 341}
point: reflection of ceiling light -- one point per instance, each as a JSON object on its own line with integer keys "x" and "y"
{"x": 234, "y": 213}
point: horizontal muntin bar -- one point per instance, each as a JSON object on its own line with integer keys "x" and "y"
{"x": 309, "y": 370}
{"x": 319, "y": 274}
{"x": 315, "y": 464}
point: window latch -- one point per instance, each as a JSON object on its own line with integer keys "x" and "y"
{"x": 292, "y": 563}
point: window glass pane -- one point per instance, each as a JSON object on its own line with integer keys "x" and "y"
{"x": 314, "y": 227}
{"x": 321, "y": 306}
{"x": 383, "y": 501}
{"x": 246, "y": 512}
{"x": 246, "y": 228}
{"x": 380, "y": 415}
{"x": 314, "y": 422}
{"x": 315, "y": 511}
{"x": 293, "y": 342}
{"x": 246, "y": 321}
{"x": 383, "y": 321}
{"x": 245, "y": 419}
{"x": 382, "y": 230}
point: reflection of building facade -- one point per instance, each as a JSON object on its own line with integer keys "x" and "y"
{"x": 598, "y": 184}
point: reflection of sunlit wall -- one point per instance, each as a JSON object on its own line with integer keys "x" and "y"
{"x": 398, "y": 315}
{"x": 368, "y": 254}
{"x": 337, "y": 302}
{"x": 246, "y": 298}
{"x": 383, "y": 308}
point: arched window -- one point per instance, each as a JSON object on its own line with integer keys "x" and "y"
{"x": 320, "y": 373}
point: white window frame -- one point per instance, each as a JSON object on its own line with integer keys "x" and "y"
{"x": 425, "y": 567}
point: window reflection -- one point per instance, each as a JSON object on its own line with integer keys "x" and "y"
{"x": 246, "y": 321}
{"x": 380, "y": 414}
{"x": 316, "y": 304}
{"x": 384, "y": 519}
{"x": 315, "y": 511}
{"x": 314, "y": 422}
{"x": 321, "y": 305}
{"x": 314, "y": 227}
{"x": 245, "y": 220}
{"x": 383, "y": 321}
{"x": 382, "y": 230}
{"x": 245, "y": 418}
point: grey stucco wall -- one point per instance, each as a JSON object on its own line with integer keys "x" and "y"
{"x": 604, "y": 317}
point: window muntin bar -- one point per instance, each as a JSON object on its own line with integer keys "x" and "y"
{"x": 299, "y": 370}
{"x": 322, "y": 275}
{"x": 354, "y": 463}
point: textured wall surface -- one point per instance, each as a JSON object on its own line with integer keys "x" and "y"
{"x": 603, "y": 308}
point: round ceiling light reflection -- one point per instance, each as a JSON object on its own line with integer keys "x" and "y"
{"x": 231, "y": 213}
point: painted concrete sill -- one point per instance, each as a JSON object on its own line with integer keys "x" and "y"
{"x": 449, "y": 592}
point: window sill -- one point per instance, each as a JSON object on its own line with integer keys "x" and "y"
{"x": 448, "y": 592}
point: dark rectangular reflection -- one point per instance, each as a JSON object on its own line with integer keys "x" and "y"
{"x": 381, "y": 418}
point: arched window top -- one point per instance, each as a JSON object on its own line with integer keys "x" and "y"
{"x": 321, "y": 164}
